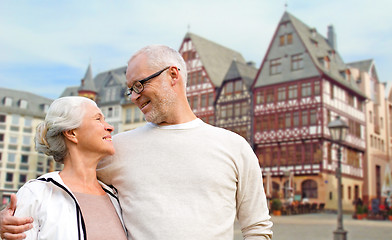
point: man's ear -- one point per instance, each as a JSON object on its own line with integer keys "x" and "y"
{"x": 174, "y": 74}
{"x": 70, "y": 135}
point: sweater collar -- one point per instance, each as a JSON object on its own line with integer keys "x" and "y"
{"x": 188, "y": 125}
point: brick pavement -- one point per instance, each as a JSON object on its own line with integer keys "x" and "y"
{"x": 320, "y": 226}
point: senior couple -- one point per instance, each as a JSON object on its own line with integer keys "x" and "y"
{"x": 174, "y": 178}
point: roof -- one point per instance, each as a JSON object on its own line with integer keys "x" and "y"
{"x": 240, "y": 70}
{"x": 322, "y": 49}
{"x": 363, "y": 66}
{"x": 35, "y": 103}
{"x": 316, "y": 51}
{"x": 215, "y": 58}
{"x": 88, "y": 82}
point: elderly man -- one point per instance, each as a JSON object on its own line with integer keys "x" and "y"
{"x": 178, "y": 177}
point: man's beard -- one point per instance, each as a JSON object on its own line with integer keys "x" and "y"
{"x": 161, "y": 109}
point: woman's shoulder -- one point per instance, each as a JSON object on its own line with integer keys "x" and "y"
{"x": 39, "y": 185}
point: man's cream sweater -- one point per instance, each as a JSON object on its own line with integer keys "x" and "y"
{"x": 187, "y": 181}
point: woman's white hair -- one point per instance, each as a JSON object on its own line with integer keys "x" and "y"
{"x": 160, "y": 56}
{"x": 64, "y": 114}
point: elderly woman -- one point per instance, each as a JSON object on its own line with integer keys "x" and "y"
{"x": 72, "y": 204}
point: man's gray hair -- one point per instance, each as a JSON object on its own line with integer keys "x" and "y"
{"x": 64, "y": 114}
{"x": 160, "y": 56}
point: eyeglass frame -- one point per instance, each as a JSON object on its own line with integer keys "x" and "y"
{"x": 143, "y": 81}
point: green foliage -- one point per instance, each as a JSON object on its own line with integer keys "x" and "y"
{"x": 276, "y": 204}
{"x": 360, "y": 209}
{"x": 390, "y": 212}
{"x": 365, "y": 209}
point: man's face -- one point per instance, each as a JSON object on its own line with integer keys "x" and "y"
{"x": 156, "y": 99}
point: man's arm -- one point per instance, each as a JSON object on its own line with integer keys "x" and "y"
{"x": 13, "y": 227}
{"x": 252, "y": 209}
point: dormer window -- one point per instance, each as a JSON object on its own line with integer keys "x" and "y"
{"x": 7, "y": 101}
{"x": 22, "y": 104}
{"x": 325, "y": 62}
{"x": 313, "y": 32}
{"x": 44, "y": 107}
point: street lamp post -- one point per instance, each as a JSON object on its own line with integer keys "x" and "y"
{"x": 338, "y": 130}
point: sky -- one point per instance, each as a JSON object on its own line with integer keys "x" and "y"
{"x": 46, "y": 45}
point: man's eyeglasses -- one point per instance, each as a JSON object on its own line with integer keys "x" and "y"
{"x": 138, "y": 86}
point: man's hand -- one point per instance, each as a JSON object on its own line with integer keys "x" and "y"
{"x": 13, "y": 227}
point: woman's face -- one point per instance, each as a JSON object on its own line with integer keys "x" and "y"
{"x": 94, "y": 134}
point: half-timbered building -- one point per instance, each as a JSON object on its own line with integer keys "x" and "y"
{"x": 234, "y": 99}
{"x": 301, "y": 86}
{"x": 207, "y": 64}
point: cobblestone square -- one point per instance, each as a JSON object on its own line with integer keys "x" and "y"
{"x": 321, "y": 226}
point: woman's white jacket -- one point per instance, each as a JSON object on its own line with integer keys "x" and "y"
{"x": 55, "y": 209}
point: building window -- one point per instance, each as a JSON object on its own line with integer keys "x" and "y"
{"x": 293, "y": 92}
{"x": 7, "y": 101}
{"x": 306, "y": 89}
{"x": 195, "y": 102}
{"x": 289, "y": 38}
{"x": 22, "y": 178}
{"x": 13, "y": 139}
{"x": 281, "y": 40}
{"x": 28, "y": 122}
{"x": 44, "y": 107}
{"x": 15, "y": 120}
{"x": 317, "y": 88}
{"x": 238, "y": 86}
{"x": 288, "y": 120}
{"x": 275, "y": 66}
{"x": 22, "y": 104}
{"x": 270, "y": 95}
{"x": 237, "y": 110}
{"x": 304, "y": 118}
{"x": 295, "y": 119}
{"x": 281, "y": 121}
{"x": 286, "y": 39}
{"x": 128, "y": 115}
{"x": 245, "y": 108}
{"x": 2, "y": 118}
{"x": 260, "y": 97}
{"x": 1, "y": 137}
{"x": 211, "y": 99}
{"x": 24, "y": 159}
{"x": 229, "y": 88}
{"x": 137, "y": 114}
{"x": 282, "y": 94}
{"x": 331, "y": 88}
{"x": 229, "y": 111}
{"x": 11, "y": 157}
{"x": 297, "y": 62}
{"x": 9, "y": 177}
{"x": 223, "y": 112}
{"x": 203, "y": 100}
{"x": 313, "y": 117}
{"x": 189, "y": 55}
{"x": 309, "y": 189}
{"x": 26, "y": 140}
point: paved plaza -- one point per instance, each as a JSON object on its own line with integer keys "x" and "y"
{"x": 320, "y": 226}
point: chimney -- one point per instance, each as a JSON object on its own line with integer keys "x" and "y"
{"x": 332, "y": 37}
{"x": 251, "y": 63}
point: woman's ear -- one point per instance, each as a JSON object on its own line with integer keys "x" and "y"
{"x": 70, "y": 135}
